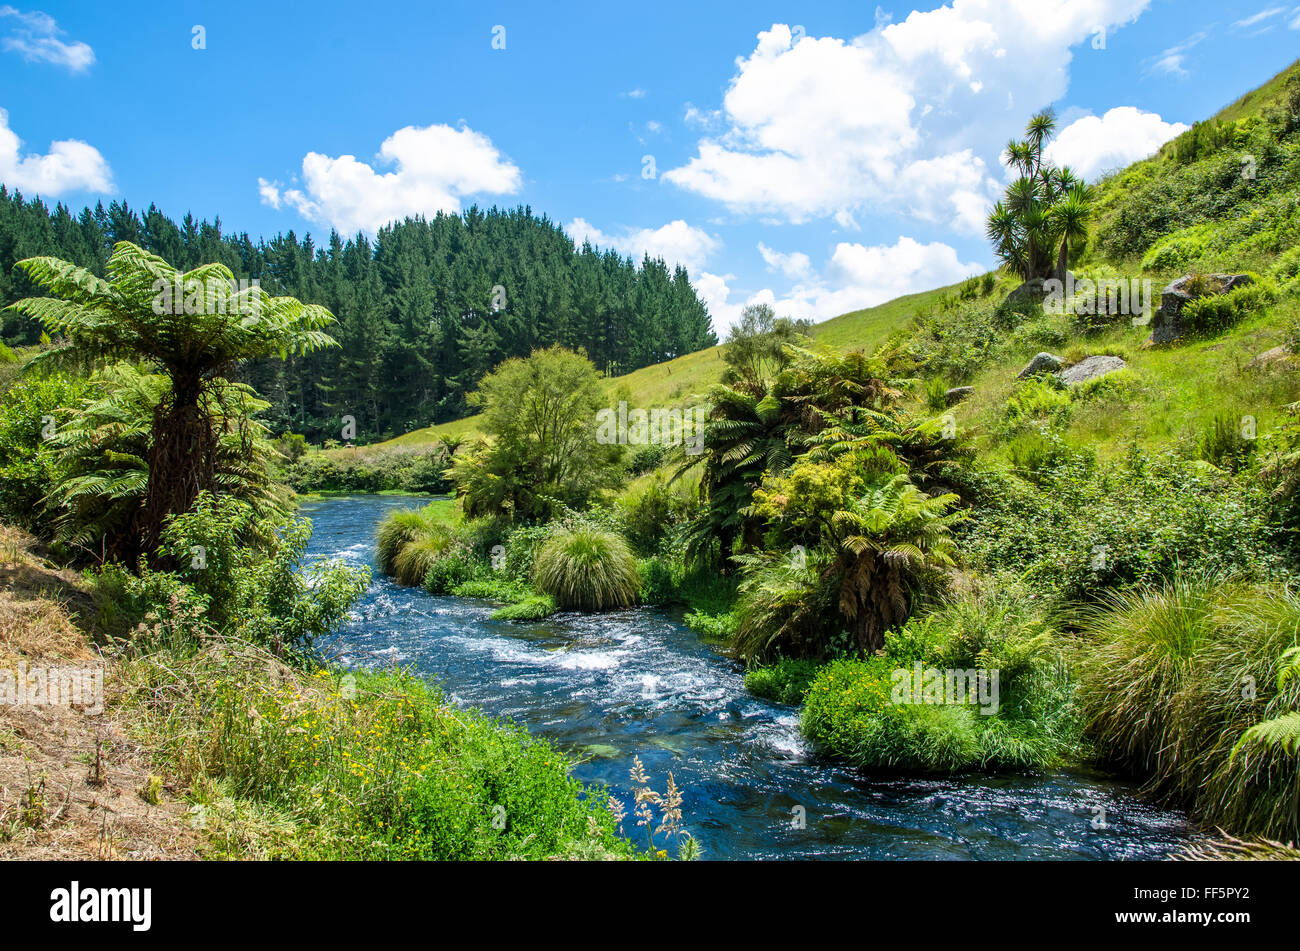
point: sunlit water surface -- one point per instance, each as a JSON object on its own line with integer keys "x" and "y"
{"x": 640, "y": 683}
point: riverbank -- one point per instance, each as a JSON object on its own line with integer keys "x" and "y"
{"x": 209, "y": 747}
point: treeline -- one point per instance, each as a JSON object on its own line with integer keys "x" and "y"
{"x": 425, "y": 310}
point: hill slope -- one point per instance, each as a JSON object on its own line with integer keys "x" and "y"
{"x": 1190, "y": 207}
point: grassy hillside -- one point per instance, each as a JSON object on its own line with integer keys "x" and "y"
{"x": 1189, "y": 207}
{"x": 680, "y": 380}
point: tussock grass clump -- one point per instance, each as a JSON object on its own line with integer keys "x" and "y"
{"x": 587, "y": 569}
{"x": 1172, "y": 676}
{"x": 427, "y": 532}
{"x": 417, "y": 556}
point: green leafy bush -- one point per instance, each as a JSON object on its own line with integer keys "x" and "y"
{"x": 1178, "y": 251}
{"x": 532, "y": 608}
{"x": 266, "y": 593}
{"x": 852, "y": 710}
{"x": 360, "y": 470}
{"x": 786, "y": 681}
{"x": 1218, "y": 312}
{"x": 1084, "y": 527}
{"x": 29, "y": 411}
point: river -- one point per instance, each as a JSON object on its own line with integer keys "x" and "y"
{"x": 639, "y": 683}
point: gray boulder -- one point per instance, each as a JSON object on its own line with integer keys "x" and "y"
{"x": 1090, "y": 368}
{"x": 1166, "y": 325}
{"x": 1043, "y": 363}
{"x": 958, "y": 393}
{"x": 1268, "y": 358}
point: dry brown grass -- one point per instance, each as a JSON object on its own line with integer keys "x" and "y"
{"x": 70, "y": 779}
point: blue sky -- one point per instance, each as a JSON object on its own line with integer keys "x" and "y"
{"x": 815, "y": 155}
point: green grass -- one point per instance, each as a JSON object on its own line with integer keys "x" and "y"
{"x": 1172, "y": 676}
{"x": 334, "y": 765}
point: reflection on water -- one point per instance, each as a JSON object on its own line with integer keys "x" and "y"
{"x": 608, "y": 687}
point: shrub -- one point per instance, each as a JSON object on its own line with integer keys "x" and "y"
{"x": 1037, "y": 399}
{"x": 264, "y": 593}
{"x": 378, "y": 470}
{"x": 650, "y": 514}
{"x": 1223, "y": 444}
{"x": 1218, "y": 312}
{"x": 29, "y": 411}
{"x": 1084, "y": 527}
{"x": 1177, "y": 251}
{"x": 936, "y": 394}
{"x": 660, "y": 580}
{"x": 712, "y": 627}
{"x": 851, "y": 711}
{"x": 587, "y": 569}
{"x": 492, "y": 587}
{"x": 786, "y": 681}
{"x": 416, "y": 557}
{"x": 533, "y": 608}
{"x": 647, "y": 458}
{"x": 454, "y": 568}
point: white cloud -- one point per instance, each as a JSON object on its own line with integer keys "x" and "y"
{"x": 676, "y": 242}
{"x": 1295, "y": 22}
{"x": 35, "y": 36}
{"x": 860, "y": 276}
{"x": 1091, "y": 145}
{"x": 796, "y": 264}
{"x": 1170, "y": 61}
{"x": 895, "y": 120}
{"x": 70, "y": 165}
{"x": 716, "y": 295}
{"x": 435, "y": 166}
{"x": 1259, "y": 17}
{"x": 856, "y": 276}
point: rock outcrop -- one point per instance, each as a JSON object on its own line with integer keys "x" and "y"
{"x": 1166, "y": 325}
{"x": 1043, "y": 363}
{"x": 1090, "y": 368}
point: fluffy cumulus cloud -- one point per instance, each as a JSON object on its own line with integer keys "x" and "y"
{"x": 37, "y": 38}
{"x": 903, "y": 119}
{"x": 433, "y": 167}
{"x": 676, "y": 242}
{"x": 69, "y": 166}
{"x": 854, "y": 277}
{"x": 1123, "y": 135}
{"x": 794, "y": 264}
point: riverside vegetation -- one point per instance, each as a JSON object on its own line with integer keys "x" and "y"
{"x": 1119, "y": 550}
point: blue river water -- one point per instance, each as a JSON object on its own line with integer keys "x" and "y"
{"x": 639, "y": 683}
